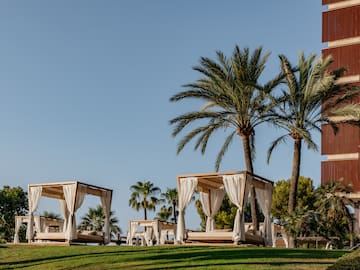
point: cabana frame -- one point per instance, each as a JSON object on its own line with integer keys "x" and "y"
{"x": 71, "y": 196}
{"x": 212, "y": 187}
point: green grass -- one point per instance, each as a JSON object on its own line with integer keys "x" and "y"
{"x": 172, "y": 257}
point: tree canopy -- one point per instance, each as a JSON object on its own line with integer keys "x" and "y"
{"x": 13, "y": 202}
{"x": 143, "y": 196}
{"x": 280, "y": 199}
{"x": 94, "y": 220}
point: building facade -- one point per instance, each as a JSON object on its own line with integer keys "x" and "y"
{"x": 341, "y": 32}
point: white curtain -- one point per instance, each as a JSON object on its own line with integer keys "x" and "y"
{"x": 18, "y": 222}
{"x": 34, "y": 195}
{"x": 237, "y": 191}
{"x": 211, "y": 203}
{"x": 133, "y": 226}
{"x": 65, "y": 213}
{"x": 264, "y": 198}
{"x": 73, "y": 199}
{"x": 186, "y": 190}
{"x": 106, "y": 205}
{"x": 156, "y": 230}
{"x": 37, "y": 223}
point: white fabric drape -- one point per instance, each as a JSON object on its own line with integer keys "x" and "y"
{"x": 237, "y": 191}
{"x": 17, "y": 228}
{"x": 106, "y": 205}
{"x": 34, "y": 195}
{"x": 186, "y": 190}
{"x": 73, "y": 199}
{"x": 37, "y": 223}
{"x": 264, "y": 198}
{"x": 65, "y": 213}
{"x": 156, "y": 230}
{"x": 211, "y": 203}
{"x": 132, "y": 231}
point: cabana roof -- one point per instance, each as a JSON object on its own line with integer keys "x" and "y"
{"x": 215, "y": 179}
{"x": 55, "y": 189}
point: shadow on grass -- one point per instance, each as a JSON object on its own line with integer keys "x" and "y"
{"x": 67, "y": 256}
{"x": 193, "y": 257}
{"x": 226, "y": 254}
{"x": 215, "y": 265}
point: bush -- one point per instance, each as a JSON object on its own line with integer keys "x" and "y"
{"x": 347, "y": 262}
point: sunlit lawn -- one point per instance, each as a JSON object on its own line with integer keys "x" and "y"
{"x": 166, "y": 257}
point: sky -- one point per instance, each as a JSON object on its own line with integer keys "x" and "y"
{"x": 85, "y": 88}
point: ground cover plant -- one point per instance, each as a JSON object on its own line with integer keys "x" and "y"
{"x": 349, "y": 261}
{"x": 171, "y": 257}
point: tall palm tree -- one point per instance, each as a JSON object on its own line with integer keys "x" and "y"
{"x": 171, "y": 198}
{"x": 234, "y": 102}
{"x": 94, "y": 220}
{"x": 143, "y": 196}
{"x": 300, "y": 109}
{"x": 311, "y": 95}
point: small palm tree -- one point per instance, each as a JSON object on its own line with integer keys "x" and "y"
{"x": 94, "y": 220}
{"x": 51, "y": 215}
{"x": 234, "y": 102}
{"x": 143, "y": 196}
{"x": 171, "y": 198}
{"x": 164, "y": 213}
{"x": 334, "y": 217}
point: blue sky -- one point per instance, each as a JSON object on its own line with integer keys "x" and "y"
{"x": 85, "y": 88}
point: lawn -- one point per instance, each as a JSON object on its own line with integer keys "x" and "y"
{"x": 171, "y": 257}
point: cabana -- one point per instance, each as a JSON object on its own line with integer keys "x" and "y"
{"x": 212, "y": 188}
{"x": 71, "y": 196}
{"x": 41, "y": 223}
{"x": 152, "y": 231}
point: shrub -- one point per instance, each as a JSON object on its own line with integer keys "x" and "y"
{"x": 347, "y": 262}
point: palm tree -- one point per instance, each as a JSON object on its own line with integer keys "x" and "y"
{"x": 164, "y": 213}
{"x": 312, "y": 94}
{"x": 300, "y": 109}
{"x": 334, "y": 217}
{"x": 94, "y": 220}
{"x": 143, "y": 196}
{"x": 51, "y": 215}
{"x": 234, "y": 102}
{"x": 171, "y": 198}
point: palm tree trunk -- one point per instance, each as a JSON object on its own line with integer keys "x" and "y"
{"x": 145, "y": 213}
{"x": 351, "y": 230}
{"x": 294, "y": 182}
{"x": 174, "y": 212}
{"x": 249, "y": 168}
{"x": 294, "y": 175}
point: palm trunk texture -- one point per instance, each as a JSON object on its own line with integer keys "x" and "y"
{"x": 249, "y": 168}
{"x": 174, "y": 212}
{"x": 294, "y": 182}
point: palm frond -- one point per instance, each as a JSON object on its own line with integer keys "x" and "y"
{"x": 273, "y": 145}
{"x": 223, "y": 150}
